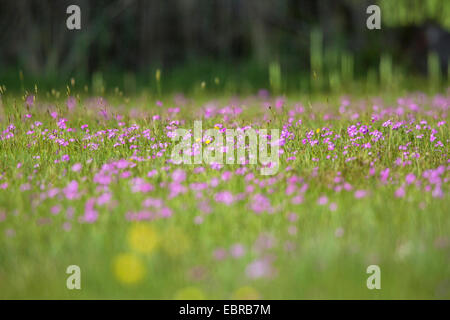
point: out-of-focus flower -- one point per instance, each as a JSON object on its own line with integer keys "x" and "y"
{"x": 260, "y": 268}
{"x": 322, "y": 200}
{"x": 237, "y": 250}
{"x": 29, "y": 101}
{"x": 128, "y": 268}
{"x": 189, "y": 293}
{"x": 339, "y": 232}
{"x": 220, "y": 254}
{"x": 76, "y": 167}
{"x": 143, "y": 238}
{"x": 246, "y": 293}
{"x": 225, "y": 197}
{"x": 360, "y": 194}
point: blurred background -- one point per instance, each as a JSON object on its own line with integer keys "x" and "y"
{"x": 235, "y": 45}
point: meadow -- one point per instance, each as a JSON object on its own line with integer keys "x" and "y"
{"x": 86, "y": 179}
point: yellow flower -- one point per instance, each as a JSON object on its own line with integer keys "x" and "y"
{"x": 128, "y": 268}
{"x": 189, "y": 293}
{"x": 318, "y": 130}
{"x": 208, "y": 141}
{"x": 246, "y": 293}
{"x": 143, "y": 238}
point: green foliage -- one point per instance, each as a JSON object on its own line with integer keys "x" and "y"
{"x": 275, "y": 77}
{"x": 407, "y": 12}
{"x": 434, "y": 70}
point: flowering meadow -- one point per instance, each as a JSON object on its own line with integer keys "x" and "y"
{"x": 89, "y": 180}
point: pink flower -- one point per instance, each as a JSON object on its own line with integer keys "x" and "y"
{"x": 176, "y": 189}
{"x": 55, "y": 209}
{"x": 333, "y": 206}
{"x": 25, "y": 186}
{"x": 410, "y": 178}
{"x": 70, "y": 212}
{"x": 384, "y": 174}
{"x": 225, "y": 197}
{"x": 226, "y": 175}
{"x": 30, "y": 100}
{"x": 437, "y": 192}
{"x": 104, "y": 198}
{"x": 348, "y": 186}
{"x": 400, "y": 192}
{"x": 198, "y": 220}
{"x": 76, "y": 167}
{"x": 432, "y": 137}
{"x": 199, "y": 170}
{"x": 292, "y": 217}
{"x": 152, "y": 202}
{"x": 102, "y": 178}
{"x": 219, "y": 254}
{"x": 90, "y": 214}
{"x": 71, "y": 102}
{"x": 290, "y": 189}
{"x": 122, "y": 164}
{"x": 67, "y": 226}
{"x": 298, "y": 199}
{"x": 264, "y": 242}
{"x": 260, "y": 268}
{"x": 71, "y": 191}
{"x": 140, "y": 185}
{"x": 279, "y": 103}
{"x": 237, "y": 250}
{"x": 322, "y": 200}
{"x": 165, "y": 212}
{"x": 152, "y": 173}
{"x": 204, "y": 207}
{"x": 260, "y": 204}
{"x": 360, "y": 194}
{"x": 178, "y": 176}
{"x": 52, "y": 192}
{"x": 125, "y": 174}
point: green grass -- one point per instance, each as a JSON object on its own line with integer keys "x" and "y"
{"x": 407, "y": 237}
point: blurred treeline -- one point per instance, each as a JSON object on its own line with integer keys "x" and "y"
{"x": 321, "y": 44}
